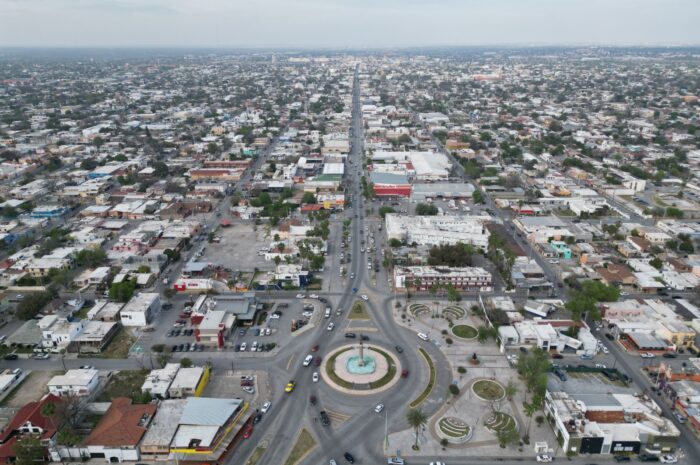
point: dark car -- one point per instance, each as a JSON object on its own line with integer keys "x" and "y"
{"x": 610, "y": 336}
{"x": 648, "y": 458}
{"x": 523, "y": 350}
{"x": 317, "y": 361}
{"x": 364, "y": 338}
{"x": 557, "y": 356}
{"x": 181, "y": 347}
{"x": 348, "y": 456}
{"x": 622, "y": 458}
{"x": 325, "y": 419}
{"x": 175, "y": 348}
{"x": 11, "y": 357}
{"x": 350, "y": 335}
{"x": 399, "y": 349}
{"x": 241, "y": 332}
{"x": 257, "y": 418}
{"x": 404, "y": 374}
{"x": 669, "y": 355}
{"x": 237, "y": 348}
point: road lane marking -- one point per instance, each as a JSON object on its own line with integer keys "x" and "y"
{"x": 289, "y": 362}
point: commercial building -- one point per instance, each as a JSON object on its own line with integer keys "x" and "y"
{"x": 189, "y": 382}
{"x": 75, "y": 383}
{"x": 437, "y": 230}
{"x": 589, "y": 420}
{"x": 390, "y": 185}
{"x": 141, "y": 309}
{"x": 117, "y": 436}
{"x": 442, "y": 190}
{"x": 422, "y": 278}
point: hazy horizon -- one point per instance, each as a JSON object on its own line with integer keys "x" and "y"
{"x": 342, "y": 24}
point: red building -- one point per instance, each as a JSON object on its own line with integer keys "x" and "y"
{"x": 390, "y": 185}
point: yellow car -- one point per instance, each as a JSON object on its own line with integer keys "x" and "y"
{"x": 289, "y": 387}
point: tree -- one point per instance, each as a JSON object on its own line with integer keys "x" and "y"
{"x": 454, "y": 389}
{"x": 32, "y": 304}
{"x": 507, "y": 436}
{"x": 656, "y": 263}
{"x": 511, "y": 389}
{"x": 394, "y": 242}
{"x": 123, "y": 291}
{"x": 308, "y": 198}
{"x": 455, "y": 255}
{"x": 452, "y": 294}
{"x": 29, "y": 450}
{"x": 423, "y": 209}
{"x": 478, "y": 196}
{"x": 530, "y": 408}
{"x": 160, "y": 169}
{"x": 416, "y": 419}
{"x": 384, "y": 210}
{"x": 186, "y": 363}
{"x": 90, "y": 258}
{"x": 281, "y": 246}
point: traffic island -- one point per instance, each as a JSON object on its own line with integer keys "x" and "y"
{"x": 361, "y": 369}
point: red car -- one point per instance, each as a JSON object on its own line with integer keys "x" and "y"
{"x": 404, "y": 374}
{"x": 317, "y": 361}
{"x": 248, "y": 432}
{"x": 314, "y": 348}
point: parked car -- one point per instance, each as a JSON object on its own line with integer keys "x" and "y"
{"x": 422, "y": 336}
{"x": 668, "y": 459}
{"x": 11, "y": 357}
{"x": 350, "y": 335}
{"x": 622, "y": 458}
{"x": 544, "y": 458}
{"x": 266, "y": 406}
{"x": 648, "y": 458}
{"x": 348, "y": 456}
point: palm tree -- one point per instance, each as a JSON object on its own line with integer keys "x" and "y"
{"x": 530, "y": 409}
{"x": 511, "y": 389}
{"x": 416, "y": 420}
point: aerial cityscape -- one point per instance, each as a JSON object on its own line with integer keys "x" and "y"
{"x": 400, "y": 253}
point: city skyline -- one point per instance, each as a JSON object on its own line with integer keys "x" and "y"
{"x": 339, "y": 24}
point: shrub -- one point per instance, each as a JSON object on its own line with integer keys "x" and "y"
{"x": 454, "y": 389}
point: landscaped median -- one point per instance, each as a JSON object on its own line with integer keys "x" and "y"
{"x": 431, "y": 382}
{"x": 305, "y": 444}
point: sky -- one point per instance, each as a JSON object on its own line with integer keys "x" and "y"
{"x": 346, "y": 23}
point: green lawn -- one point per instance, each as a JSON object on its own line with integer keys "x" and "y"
{"x": 464, "y": 331}
{"x": 431, "y": 381}
{"x": 358, "y": 312}
{"x": 489, "y": 390}
{"x": 305, "y": 442}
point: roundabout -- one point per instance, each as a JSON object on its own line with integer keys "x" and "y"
{"x": 361, "y": 369}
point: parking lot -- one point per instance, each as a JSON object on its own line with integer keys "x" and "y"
{"x": 238, "y": 384}
{"x": 238, "y": 248}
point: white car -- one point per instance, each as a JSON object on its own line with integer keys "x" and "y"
{"x": 437, "y": 463}
{"x": 313, "y": 296}
{"x": 307, "y": 314}
{"x": 364, "y": 297}
{"x": 314, "y": 377}
{"x": 647, "y": 355}
{"x": 330, "y": 326}
{"x": 244, "y": 346}
{"x": 301, "y": 296}
{"x": 600, "y": 365}
{"x": 249, "y": 390}
{"x": 275, "y": 316}
{"x": 266, "y": 406}
{"x": 307, "y": 361}
{"x": 422, "y": 336}
{"x": 668, "y": 459}
{"x": 544, "y": 458}
{"x": 379, "y": 408}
